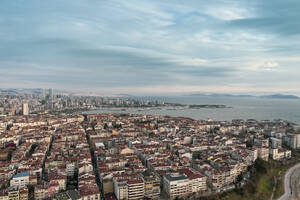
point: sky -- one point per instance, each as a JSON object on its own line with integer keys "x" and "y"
{"x": 151, "y": 47}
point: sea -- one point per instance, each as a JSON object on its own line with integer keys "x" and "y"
{"x": 238, "y": 108}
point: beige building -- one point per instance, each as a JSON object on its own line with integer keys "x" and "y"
{"x": 176, "y": 184}
{"x": 133, "y": 189}
{"x": 263, "y": 153}
{"x": 23, "y": 193}
{"x": 127, "y": 151}
{"x": 25, "y": 109}
{"x": 89, "y": 192}
{"x": 279, "y": 154}
{"x": 108, "y": 186}
{"x": 197, "y": 181}
{"x": 120, "y": 190}
{"x": 217, "y": 179}
{"x": 152, "y": 185}
{"x": 39, "y": 192}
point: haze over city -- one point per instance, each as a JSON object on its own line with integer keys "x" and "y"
{"x": 151, "y": 47}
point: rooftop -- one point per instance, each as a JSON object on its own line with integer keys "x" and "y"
{"x": 175, "y": 177}
{"x": 21, "y": 175}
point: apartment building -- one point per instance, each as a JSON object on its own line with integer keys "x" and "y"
{"x": 279, "y": 154}
{"x": 20, "y": 180}
{"x": 176, "y": 184}
{"x": 292, "y": 140}
{"x": 263, "y": 153}
{"x": 152, "y": 184}
{"x": 89, "y": 192}
{"x": 130, "y": 188}
{"x": 197, "y": 181}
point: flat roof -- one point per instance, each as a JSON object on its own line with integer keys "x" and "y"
{"x": 21, "y": 175}
{"x": 175, "y": 177}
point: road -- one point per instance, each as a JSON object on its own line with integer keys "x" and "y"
{"x": 291, "y": 184}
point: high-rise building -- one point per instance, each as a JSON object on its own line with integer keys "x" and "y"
{"x": 50, "y": 93}
{"x": 43, "y": 93}
{"x": 25, "y": 109}
{"x": 292, "y": 140}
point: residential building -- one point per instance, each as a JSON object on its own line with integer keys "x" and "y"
{"x": 20, "y": 180}
{"x": 25, "y": 109}
{"x": 176, "y": 185}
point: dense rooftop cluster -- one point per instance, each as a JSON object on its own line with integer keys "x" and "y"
{"x": 41, "y": 102}
{"x": 43, "y": 155}
{"x": 124, "y": 156}
{"x": 205, "y": 156}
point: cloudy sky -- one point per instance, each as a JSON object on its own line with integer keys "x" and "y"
{"x": 151, "y": 47}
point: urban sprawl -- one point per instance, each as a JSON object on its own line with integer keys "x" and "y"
{"x": 61, "y": 155}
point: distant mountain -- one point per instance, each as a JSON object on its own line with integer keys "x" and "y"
{"x": 21, "y": 91}
{"x": 37, "y": 91}
{"x": 218, "y": 95}
{"x": 280, "y": 96}
{"x": 125, "y": 95}
{"x": 273, "y": 96}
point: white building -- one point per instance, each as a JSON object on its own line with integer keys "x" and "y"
{"x": 292, "y": 140}
{"x": 275, "y": 142}
{"x": 197, "y": 181}
{"x": 25, "y": 109}
{"x": 70, "y": 168}
{"x": 279, "y": 154}
{"x": 20, "y": 180}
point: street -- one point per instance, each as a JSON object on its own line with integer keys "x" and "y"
{"x": 291, "y": 184}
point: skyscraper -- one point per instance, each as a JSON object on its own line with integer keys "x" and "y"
{"x": 43, "y": 93}
{"x": 25, "y": 109}
{"x": 50, "y": 93}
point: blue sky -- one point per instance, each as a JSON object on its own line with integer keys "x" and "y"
{"x": 151, "y": 47}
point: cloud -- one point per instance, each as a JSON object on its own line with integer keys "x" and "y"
{"x": 273, "y": 17}
{"x": 270, "y": 65}
{"x": 122, "y": 45}
{"x": 263, "y": 65}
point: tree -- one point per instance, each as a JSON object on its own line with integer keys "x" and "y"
{"x": 260, "y": 165}
{"x": 105, "y": 126}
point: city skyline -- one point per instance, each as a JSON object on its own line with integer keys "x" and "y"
{"x": 151, "y": 47}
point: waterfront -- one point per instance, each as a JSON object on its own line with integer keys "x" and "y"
{"x": 241, "y": 108}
